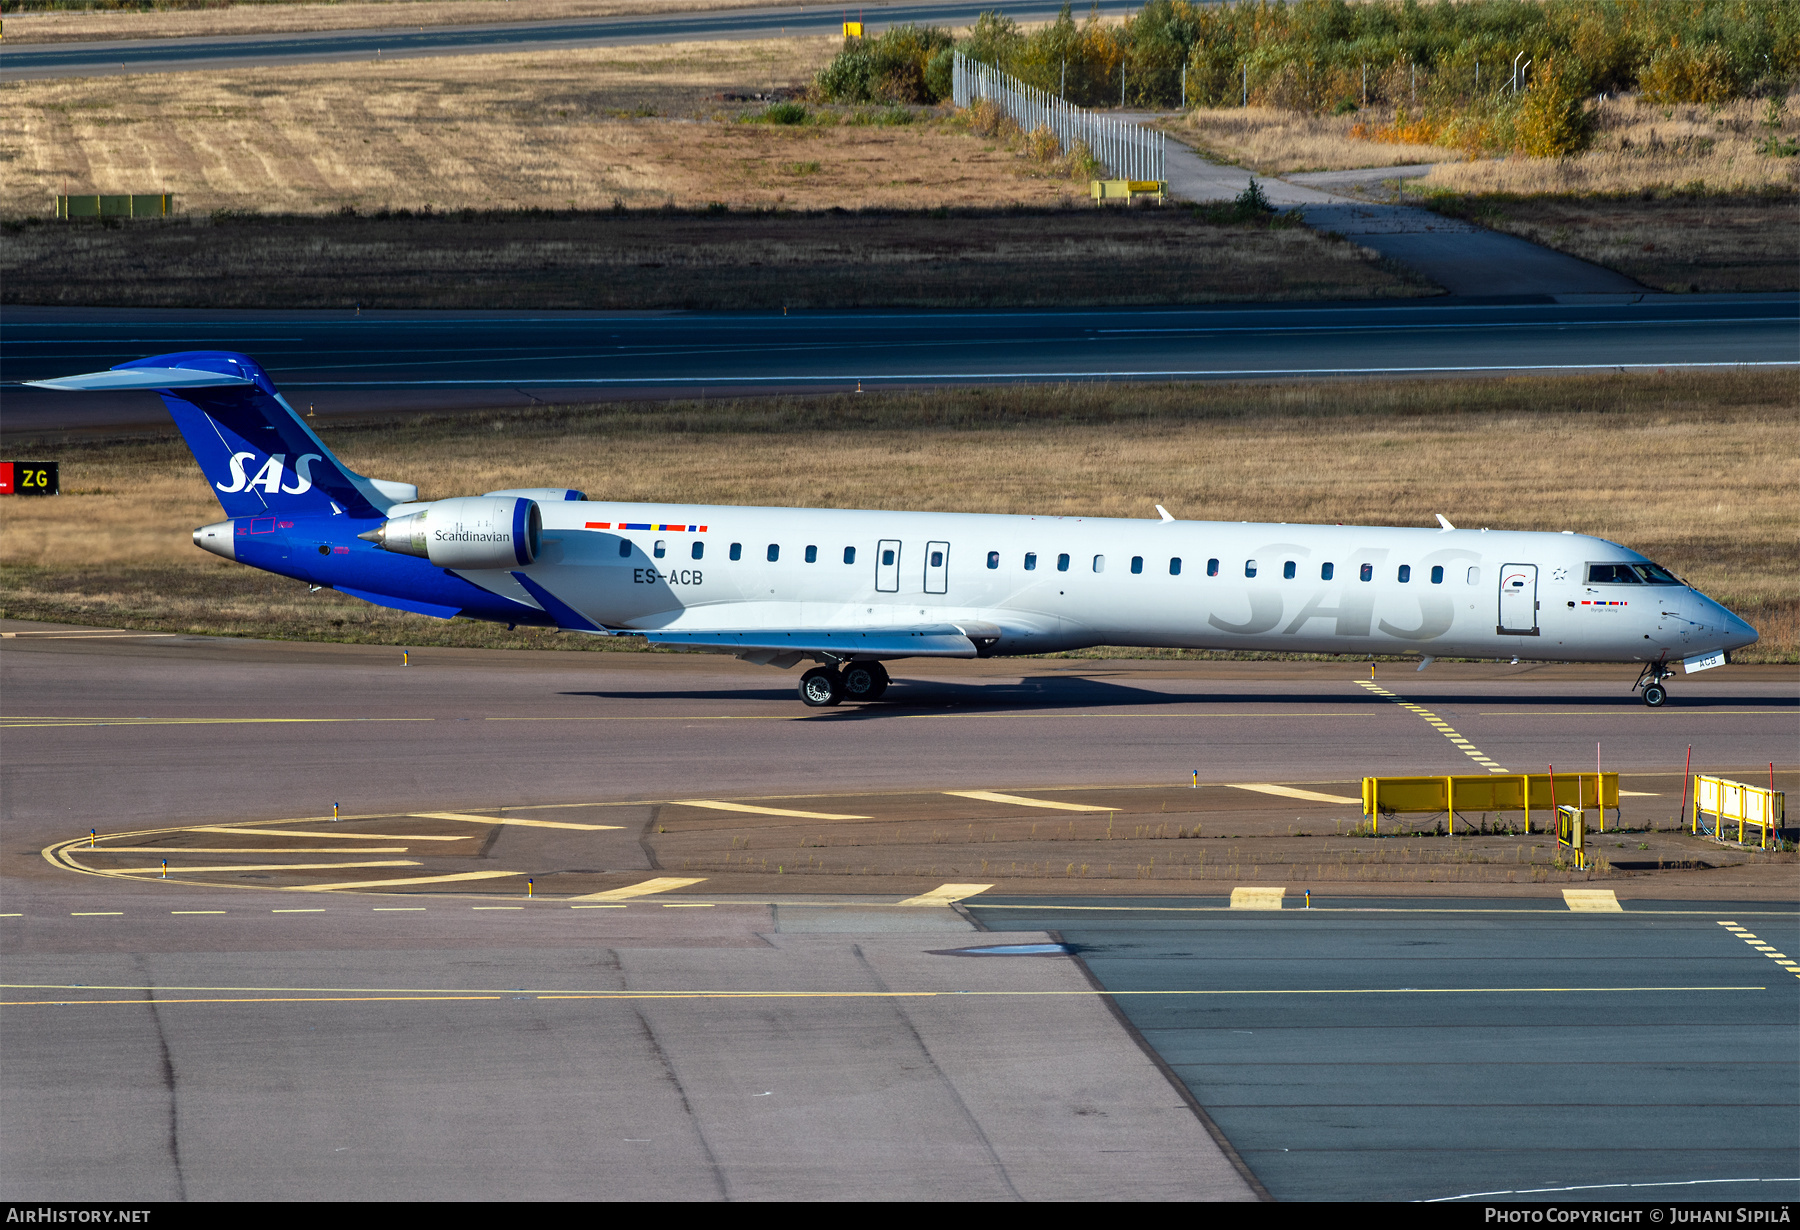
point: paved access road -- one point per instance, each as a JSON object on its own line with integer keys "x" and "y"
{"x": 399, "y": 360}
{"x": 1424, "y": 1050}
{"x": 31, "y": 60}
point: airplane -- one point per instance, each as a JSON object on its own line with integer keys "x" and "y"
{"x": 851, "y": 590}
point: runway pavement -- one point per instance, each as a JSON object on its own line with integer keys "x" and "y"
{"x": 444, "y": 1040}
{"x": 25, "y": 61}
{"x": 398, "y": 361}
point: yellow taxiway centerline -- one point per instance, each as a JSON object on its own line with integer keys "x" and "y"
{"x": 151, "y": 871}
{"x": 714, "y": 805}
{"x": 302, "y": 995}
{"x": 1018, "y": 800}
{"x": 661, "y": 884}
{"x": 536, "y": 824}
{"x": 461, "y": 875}
{"x": 248, "y": 850}
{"x": 223, "y": 828}
{"x": 1292, "y": 792}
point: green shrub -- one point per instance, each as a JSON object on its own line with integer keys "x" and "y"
{"x": 895, "y": 66}
{"x": 782, "y": 113}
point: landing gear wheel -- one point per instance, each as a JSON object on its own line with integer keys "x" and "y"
{"x": 1654, "y": 694}
{"x": 821, "y": 687}
{"x": 865, "y": 681}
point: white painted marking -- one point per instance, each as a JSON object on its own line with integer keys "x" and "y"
{"x": 173, "y": 870}
{"x": 660, "y": 884}
{"x": 536, "y": 824}
{"x": 1017, "y": 800}
{"x": 1292, "y": 792}
{"x": 945, "y": 894}
{"x": 713, "y": 805}
{"x": 461, "y": 875}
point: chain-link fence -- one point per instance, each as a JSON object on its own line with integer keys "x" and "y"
{"x": 1125, "y": 149}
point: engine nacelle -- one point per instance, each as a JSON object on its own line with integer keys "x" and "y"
{"x": 470, "y": 532}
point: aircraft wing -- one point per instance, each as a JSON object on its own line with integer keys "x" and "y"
{"x": 928, "y": 641}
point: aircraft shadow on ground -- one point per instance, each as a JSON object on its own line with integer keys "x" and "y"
{"x": 907, "y": 696}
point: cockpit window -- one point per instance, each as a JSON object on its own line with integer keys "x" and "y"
{"x": 1629, "y": 574}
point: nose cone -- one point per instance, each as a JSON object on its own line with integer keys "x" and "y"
{"x": 1738, "y": 633}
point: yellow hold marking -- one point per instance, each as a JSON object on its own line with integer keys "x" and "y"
{"x": 661, "y": 884}
{"x": 334, "y": 835}
{"x": 989, "y": 796}
{"x": 945, "y": 894}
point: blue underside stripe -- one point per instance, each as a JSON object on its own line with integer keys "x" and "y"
{"x": 565, "y": 615}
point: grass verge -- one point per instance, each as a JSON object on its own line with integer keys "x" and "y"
{"x": 1695, "y": 470}
{"x": 636, "y": 260}
{"x": 1673, "y": 241}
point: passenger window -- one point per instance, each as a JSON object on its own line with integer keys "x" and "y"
{"x": 1099, "y": 563}
{"x": 849, "y": 555}
{"x": 993, "y": 559}
{"x": 1249, "y": 567}
{"x": 1474, "y": 576}
{"x": 737, "y": 550}
{"x": 887, "y": 559}
{"x": 1175, "y": 566}
{"x": 937, "y": 559}
{"x": 1287, "y": 571}
{"x": 699, "y": 551}
{"x": 624, "y": 547}
{"x": 1367, "y": 573}
{"x": 1031, "y": 561}
{"x": 1212, "y": 567}
{"x": 1405, "y": 573}
{"x": 1137, "y": 564}
{"x": 1437, "y": 574}
{"x": 1325, "y": 571}
{"x": 661, "y": 548}
{"x": 774, "y": 553}
{"x": 812, "y": 555}
{"x": 1062, "y": 563}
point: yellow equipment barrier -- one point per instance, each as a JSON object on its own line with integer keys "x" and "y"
{"x": 1126, "y": 189}
{"x": 853, "y": 29}
{"x": 1726, "y": 800}
{"x": 153, "y": 205}
{"x": 1571, "y": 832}
{"x": 1489, "y": 792}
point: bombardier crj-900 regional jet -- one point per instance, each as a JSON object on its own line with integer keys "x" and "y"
{"x": 850, "y": 590}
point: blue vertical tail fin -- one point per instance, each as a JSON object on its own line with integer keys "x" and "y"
{"x": 260, "y": 457}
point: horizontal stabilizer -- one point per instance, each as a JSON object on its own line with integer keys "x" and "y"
{"x": 934, "y": 641}
{"x": 142, "y": 378}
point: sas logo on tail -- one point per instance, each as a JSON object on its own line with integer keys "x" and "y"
{"x": 269, "y": 477}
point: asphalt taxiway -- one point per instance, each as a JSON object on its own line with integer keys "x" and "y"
{"x": 649, "y": 1033}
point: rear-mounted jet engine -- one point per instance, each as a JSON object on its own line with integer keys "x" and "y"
{"x": 471, "y": 532}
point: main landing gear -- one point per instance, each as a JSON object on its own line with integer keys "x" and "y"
{"x": 1650, "y": 680}
{"x": 824, "y": 686}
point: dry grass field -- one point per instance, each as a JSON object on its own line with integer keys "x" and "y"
{"x": 1636, "y": 146}
{"x": 644, "y": 259}
{"x": 1673, "y": 242}
{"x": 1696, "y": 470}
{"x": 73, "y": 26}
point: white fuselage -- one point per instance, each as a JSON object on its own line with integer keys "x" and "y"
{"x": 1040, "y": 584}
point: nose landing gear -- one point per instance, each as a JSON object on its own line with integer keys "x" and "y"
{"x": 1650, "y": 681}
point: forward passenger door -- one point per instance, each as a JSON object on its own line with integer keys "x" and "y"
{"x": 1518, "y": 600}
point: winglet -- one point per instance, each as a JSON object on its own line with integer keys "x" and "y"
{"x": 1447, "y": 526}
{"x": 1163, "y": 513}
{"x": 567, "y": 617}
